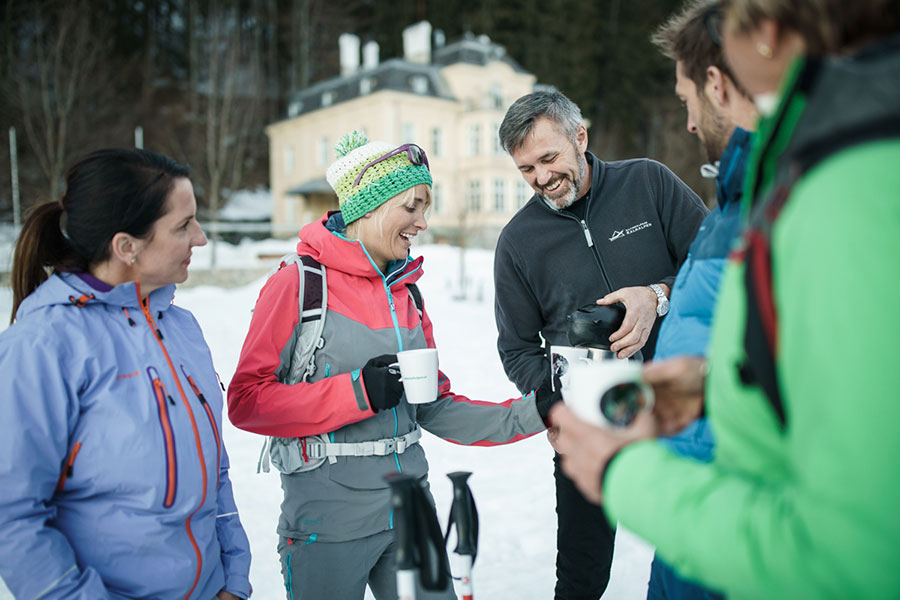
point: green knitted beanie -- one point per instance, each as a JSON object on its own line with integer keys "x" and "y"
{"x": 379, "y": 183}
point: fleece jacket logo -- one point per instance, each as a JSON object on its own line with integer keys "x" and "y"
{"x": 620, "y": 233}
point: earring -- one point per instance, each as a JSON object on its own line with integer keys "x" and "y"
{"x": 133, "y": 259}
{"x": 764, "y": 50}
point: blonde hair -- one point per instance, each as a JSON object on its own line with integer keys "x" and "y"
{"x": 405, "y": 198}
{"x": 826, "y": 26}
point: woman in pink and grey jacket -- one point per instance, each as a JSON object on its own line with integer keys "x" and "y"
{"x": 336, "y": 524}
{"x": 113, "y": 478}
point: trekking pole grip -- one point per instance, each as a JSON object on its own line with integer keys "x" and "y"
{"x": 464, "y": 515}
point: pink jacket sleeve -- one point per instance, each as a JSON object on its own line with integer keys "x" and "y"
{"x": 258, "y": 402}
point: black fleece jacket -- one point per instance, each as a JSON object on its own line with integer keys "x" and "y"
{"x": 640, "y": 221}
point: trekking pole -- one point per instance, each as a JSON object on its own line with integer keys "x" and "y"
{"x": 421, "y": 547}
{"x": 465, "y": 516}
{"x": 404, "y": 527}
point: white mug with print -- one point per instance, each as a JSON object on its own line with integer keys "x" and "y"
{"x": 607, "y": 393}
{"x": 418, "y": 372}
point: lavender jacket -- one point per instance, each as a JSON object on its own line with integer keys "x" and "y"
{"x": 113, "y": 477}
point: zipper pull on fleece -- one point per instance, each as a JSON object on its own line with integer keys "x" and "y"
{"x": 587, "y": 234}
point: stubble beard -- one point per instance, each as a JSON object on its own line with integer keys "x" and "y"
{"x": 716, "y": 132}
{"x": 571, "y": 194}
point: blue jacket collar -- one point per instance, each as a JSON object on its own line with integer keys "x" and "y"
{"x": 125, "y": 294}
{"x": 71, "y": 289}
{"x": 335, "y": 223}
{"x": 732, "y": 166}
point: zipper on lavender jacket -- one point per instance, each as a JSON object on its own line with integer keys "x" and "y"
{"x": 145, "y": 309}
{"x": 210, "y": 416}
{"x": 162, "y": 406}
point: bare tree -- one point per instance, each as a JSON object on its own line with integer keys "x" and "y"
{"x": 301, "y": 36}
{"x": 57, "y": 61}
{"x": 224, "y": 100}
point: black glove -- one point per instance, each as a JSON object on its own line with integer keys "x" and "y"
{"x": 545, "y": 397}
{"x": 383, "y": 385}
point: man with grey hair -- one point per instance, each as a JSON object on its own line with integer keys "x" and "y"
{"x": 604, "y": 232}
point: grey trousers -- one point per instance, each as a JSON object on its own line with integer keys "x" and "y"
{"x": 341, "y": 570}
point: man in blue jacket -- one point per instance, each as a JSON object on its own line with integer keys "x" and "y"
{"x": 721, "y": 114}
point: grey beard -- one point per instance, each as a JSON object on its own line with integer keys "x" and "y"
{"x": 570, "y": 198}
{"x": 567, "y": 201}
{"x": 551, "y": 204}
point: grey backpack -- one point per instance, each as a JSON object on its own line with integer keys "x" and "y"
{"x": 295, "y": 455}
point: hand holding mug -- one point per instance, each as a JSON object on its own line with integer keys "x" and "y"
{"x": 587, "y": 449}
{"x": 678, "y": 385}
{"x": 382, "y": 382}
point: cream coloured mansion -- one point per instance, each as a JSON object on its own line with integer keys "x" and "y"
{"x": 447, "y": 98}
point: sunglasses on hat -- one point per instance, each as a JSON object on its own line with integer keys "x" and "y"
{"x": 415, "y": 154}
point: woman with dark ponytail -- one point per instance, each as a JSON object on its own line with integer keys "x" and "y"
{"x": 114, "y": 478}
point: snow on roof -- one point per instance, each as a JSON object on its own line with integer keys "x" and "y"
{"x": 248, "y": 205}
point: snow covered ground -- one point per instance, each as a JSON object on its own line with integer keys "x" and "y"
{"x": 512, "y": 485}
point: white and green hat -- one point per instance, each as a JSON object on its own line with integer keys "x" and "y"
{"x": 379, "y": 182}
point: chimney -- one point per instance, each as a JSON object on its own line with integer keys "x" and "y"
{"x": 417, "y": 43}
{"x": 349, "y": 47}
{"x": 370, "y": 54}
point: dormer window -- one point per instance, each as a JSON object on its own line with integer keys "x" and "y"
{"x": 366, "y": 85}
{"x": 328, "y": 98}
{"x": 419, "y": 84}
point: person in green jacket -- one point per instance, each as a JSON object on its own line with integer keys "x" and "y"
{"x": 801, "y": 499}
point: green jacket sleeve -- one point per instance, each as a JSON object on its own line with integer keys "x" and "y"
{"x": 810, "y": 511}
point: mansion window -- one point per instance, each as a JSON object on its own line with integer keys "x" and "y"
{"x": 499, "y": 195}
{"x": 474, "y": 139}
{"x": 437, "y": 146}
{"x": 323, "y": 151}
{"x": 522, "y": 193}
{"x": 289, "y": 160}
{"x": 473, "y": 196}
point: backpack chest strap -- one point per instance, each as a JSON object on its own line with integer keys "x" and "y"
{"x": 318, "y": 449}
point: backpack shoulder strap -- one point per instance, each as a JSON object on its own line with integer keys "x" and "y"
{"x": 312, "y": 298}
{"x": 312, "y": 302}
{"x": 416, "y": 296}
{"x": 761, "y": 326}
{"x": 311, "y": 305}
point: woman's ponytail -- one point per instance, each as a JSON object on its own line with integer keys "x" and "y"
{"x": 41, "y": 246}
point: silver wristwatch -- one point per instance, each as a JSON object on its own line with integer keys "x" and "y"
{"x": 662, "y": 302}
